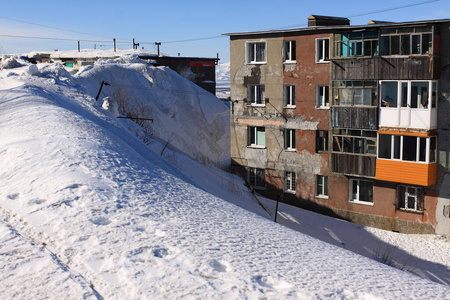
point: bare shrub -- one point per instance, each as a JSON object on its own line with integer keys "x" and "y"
{"x": 385, "y": 254}
{"x": 130, "y": 105}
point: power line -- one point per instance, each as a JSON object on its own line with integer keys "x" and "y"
{"x": 51, "y": 27}
{"x": 56, "y": 28}
{"x": 302, "y": 25}
{"x": 369, "y": 13}
{"x": 56, "y": 39}
{"x": 393, "y": 8}
{"x": 193, "y": 39}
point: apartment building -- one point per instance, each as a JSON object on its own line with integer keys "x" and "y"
{"x": 347, "y": 120}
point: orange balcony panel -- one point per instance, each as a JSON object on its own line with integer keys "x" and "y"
{"x": 406, "y": 172}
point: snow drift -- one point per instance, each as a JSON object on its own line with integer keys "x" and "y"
{"x": 186, "y": 116}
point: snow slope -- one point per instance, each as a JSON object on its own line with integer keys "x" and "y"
{"x": 193, "y": 120}
{"x": 88, "y": 211}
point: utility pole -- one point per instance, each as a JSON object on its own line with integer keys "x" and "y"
{"x": 276, "y": 212}
{"x": 78, "y": 46}
{"x": 157, "y": 45}
{"x": 100, "y": 89}
{"x": 135, "y": 46}
{"x": 114, "y": 44}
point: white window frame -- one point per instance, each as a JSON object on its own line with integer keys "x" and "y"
{"x": 358, "y": 192}
{"x": 321, "y": 182}
{"x": 289, "y": 50}
{"x": 253, "y": 136}
{"x": 289, "y": 96}
{"x": 256, "y": 94}
{"x": 252, "y": 47}
{"x": 413, "y": 192}
{"x": 289, "y": 182}
{"x": 289, "y": 139}
{"x": 321, "y": 50}
{"x": 252, "y": 176}
{"x": 429, "y": 154}
{"x": 324, "y": 102}
{"x": 430, "y": 102}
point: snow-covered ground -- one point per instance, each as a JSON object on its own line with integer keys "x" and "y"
{"x": 92, "y": 207}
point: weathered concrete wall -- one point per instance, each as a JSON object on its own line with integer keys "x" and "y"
{"x": 242, "y": 74}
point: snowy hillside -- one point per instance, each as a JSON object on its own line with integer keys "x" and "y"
{"x": 88, "y": 211}
{"x": 223, "y": 80}
{"x": 223, "y": 73}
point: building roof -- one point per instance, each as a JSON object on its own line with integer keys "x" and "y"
{"x": 372, "y": 24}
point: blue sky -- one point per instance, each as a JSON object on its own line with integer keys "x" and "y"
{"x": 96, "y": 23}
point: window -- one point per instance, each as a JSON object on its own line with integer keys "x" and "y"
{"x": 361, "y": 191}
{"x": 408, "y": 94}
{"x": 322, "y": 50}
{"x": 256, "y": 94}
{"x": 257, "y": 177}
{"x": 289, "y": 181}
{"x": 322, "y": 186}
{"x": 289, "y": 139}
{"x": 356, "y": 44}
{"x": 289, "y": 54}
{"x": 321, "y": 140}
{"x": 407, "y": 148}
{"x": 406, "y": 41}
{"x": 389, "y": 94}
{"x": 256, "y": 52}
{"x": 355, "y": 141}
{"x": 349, "y": 93}
{"x": 256, "y": 136}
{"x": 289, "y": 96}
{"x": 322, "y": 96}
{"x": 410, "y": 198}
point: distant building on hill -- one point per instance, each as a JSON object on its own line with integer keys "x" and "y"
{"x": 199, "y": 70}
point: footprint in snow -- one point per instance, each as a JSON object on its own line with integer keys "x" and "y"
{"x": 270, "y": 282}
{"x": 13, "y": 196}
{"x": 100, "y": 221}
{"x": 160, "y": 252}
{"x": 219, "y": 266}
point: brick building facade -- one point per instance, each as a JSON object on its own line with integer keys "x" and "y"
{"x": 349, "y": 121}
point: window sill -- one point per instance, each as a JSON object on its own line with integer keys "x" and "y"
{"x": 322, "y": 61}
{"x": 322, "y": 197}
{"x": 289, "y": 192}
{"x": 290, "y": 150}
{"x": 256, "y": 105}
{"x": 355, "y": 105}
{"x": 256, "y": 147}
{"x": 256, "y": 62}
{"x": 322, "y": 152}
{"x": 405, "y": 55}
{"x": 290, "y": 106}
{"x": 419, "y": 212}
{"x": 290, "y": 62}
{"x": 362, "y": 202}
{"x": 322, "y": 107}
{"x": 407, "y": 161}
